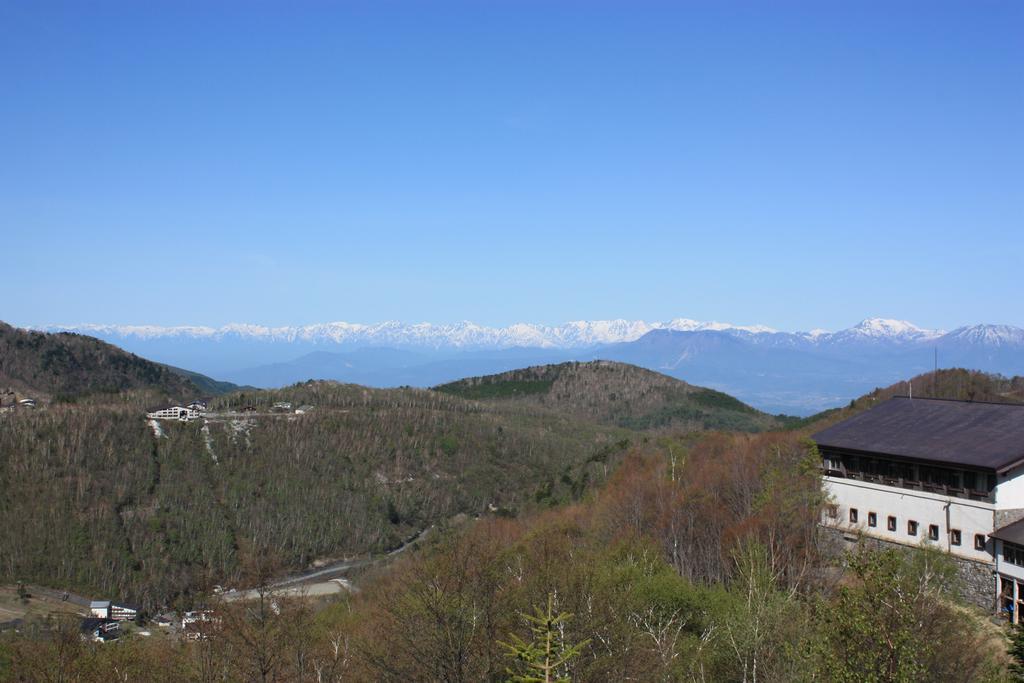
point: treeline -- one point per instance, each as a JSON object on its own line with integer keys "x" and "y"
{"x": 698, "y": 561}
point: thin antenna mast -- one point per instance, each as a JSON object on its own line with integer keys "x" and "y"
{"x": 935, "y": 374}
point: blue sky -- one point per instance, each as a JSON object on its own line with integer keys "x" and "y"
{"x": 799, "y": 165}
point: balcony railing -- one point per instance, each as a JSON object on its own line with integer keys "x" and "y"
{"x": 914, "y": 485}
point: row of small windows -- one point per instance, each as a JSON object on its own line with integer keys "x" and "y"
{"x": 955, "y": 535}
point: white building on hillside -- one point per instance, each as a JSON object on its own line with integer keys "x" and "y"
{"x": 183, "y": 413}
{"x": 935, "y": 472}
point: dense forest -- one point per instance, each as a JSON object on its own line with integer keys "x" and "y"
{"x": 595, "y": 511}
{"x": 95, "y": 501}
{"x": 699, "y": 560}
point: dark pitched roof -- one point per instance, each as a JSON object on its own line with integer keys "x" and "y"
{"x": 1014, "y": 532}
{"x": 985, "y": 435}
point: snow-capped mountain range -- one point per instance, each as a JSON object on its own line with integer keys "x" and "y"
{"x": 794, "y": 372}
{"x": 461, "y": 335}
{"x": 470, "y": 336}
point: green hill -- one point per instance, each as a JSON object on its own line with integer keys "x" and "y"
{"x": 71, "y": 367}
{"x": 615, "y": 394}
{"x": 68, "y": 366}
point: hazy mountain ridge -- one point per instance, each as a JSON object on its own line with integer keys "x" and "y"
{"x": 777, "y": 372}
{"x": 461, "y": 335}
{"x": 572, "y": 335}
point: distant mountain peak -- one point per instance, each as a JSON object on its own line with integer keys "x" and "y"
{"x": 879, "y": 330}
{"x": 888, "y": 327}
{"x": 459, "y": 335}
{"x": 988, "y": 335}
{"x": 577, "y": 334}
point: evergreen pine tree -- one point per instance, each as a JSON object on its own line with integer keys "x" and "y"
{"x": 544, "y": 659}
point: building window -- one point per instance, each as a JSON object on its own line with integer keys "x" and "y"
{"x": 912, "y": 528}
{"x": 872, "y": 519}
{"x": 853, "y": 515}
{"x": 1013, "y": 553}
{"x": 954, "y": 537}
{"x": 832, "y": 511}
{"x": 979, "y": 541}
{"x": 891, "y": 523}
{"x": 933, "y": 532}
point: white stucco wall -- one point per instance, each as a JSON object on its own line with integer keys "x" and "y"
{"x": 970, "y": 517}
{"x": 1010, "y": 489}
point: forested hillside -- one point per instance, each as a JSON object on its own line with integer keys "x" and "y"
{"x": 616, "y": 394}
{"x": 680, "y": 554}
{"x": 95, "y": 501}
{"x": 697, "y": 561}
{"x": 68, "y": 366}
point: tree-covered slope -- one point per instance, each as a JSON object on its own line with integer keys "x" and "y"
{"x": 615, "y": 394}
{"x": 69, "y": 366}
{"x": 98, "y": 501}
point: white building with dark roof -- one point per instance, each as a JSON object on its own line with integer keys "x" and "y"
{"x": 935, "y": 472}
{"x": 182, "y": 413}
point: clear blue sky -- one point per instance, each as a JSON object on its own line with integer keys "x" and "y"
{"x": 792, "y": 164}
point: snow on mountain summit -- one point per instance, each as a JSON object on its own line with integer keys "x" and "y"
{"x": 988, "y": 335}
{"x": 460, "y": 335}
{"x": 883, "y": 329}
{"x": 578, "y": 334}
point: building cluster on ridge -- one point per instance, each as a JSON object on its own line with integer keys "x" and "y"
{"x": 198, "y": 408}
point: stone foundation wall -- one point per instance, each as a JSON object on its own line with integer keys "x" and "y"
{"x": 978, "y": 583}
